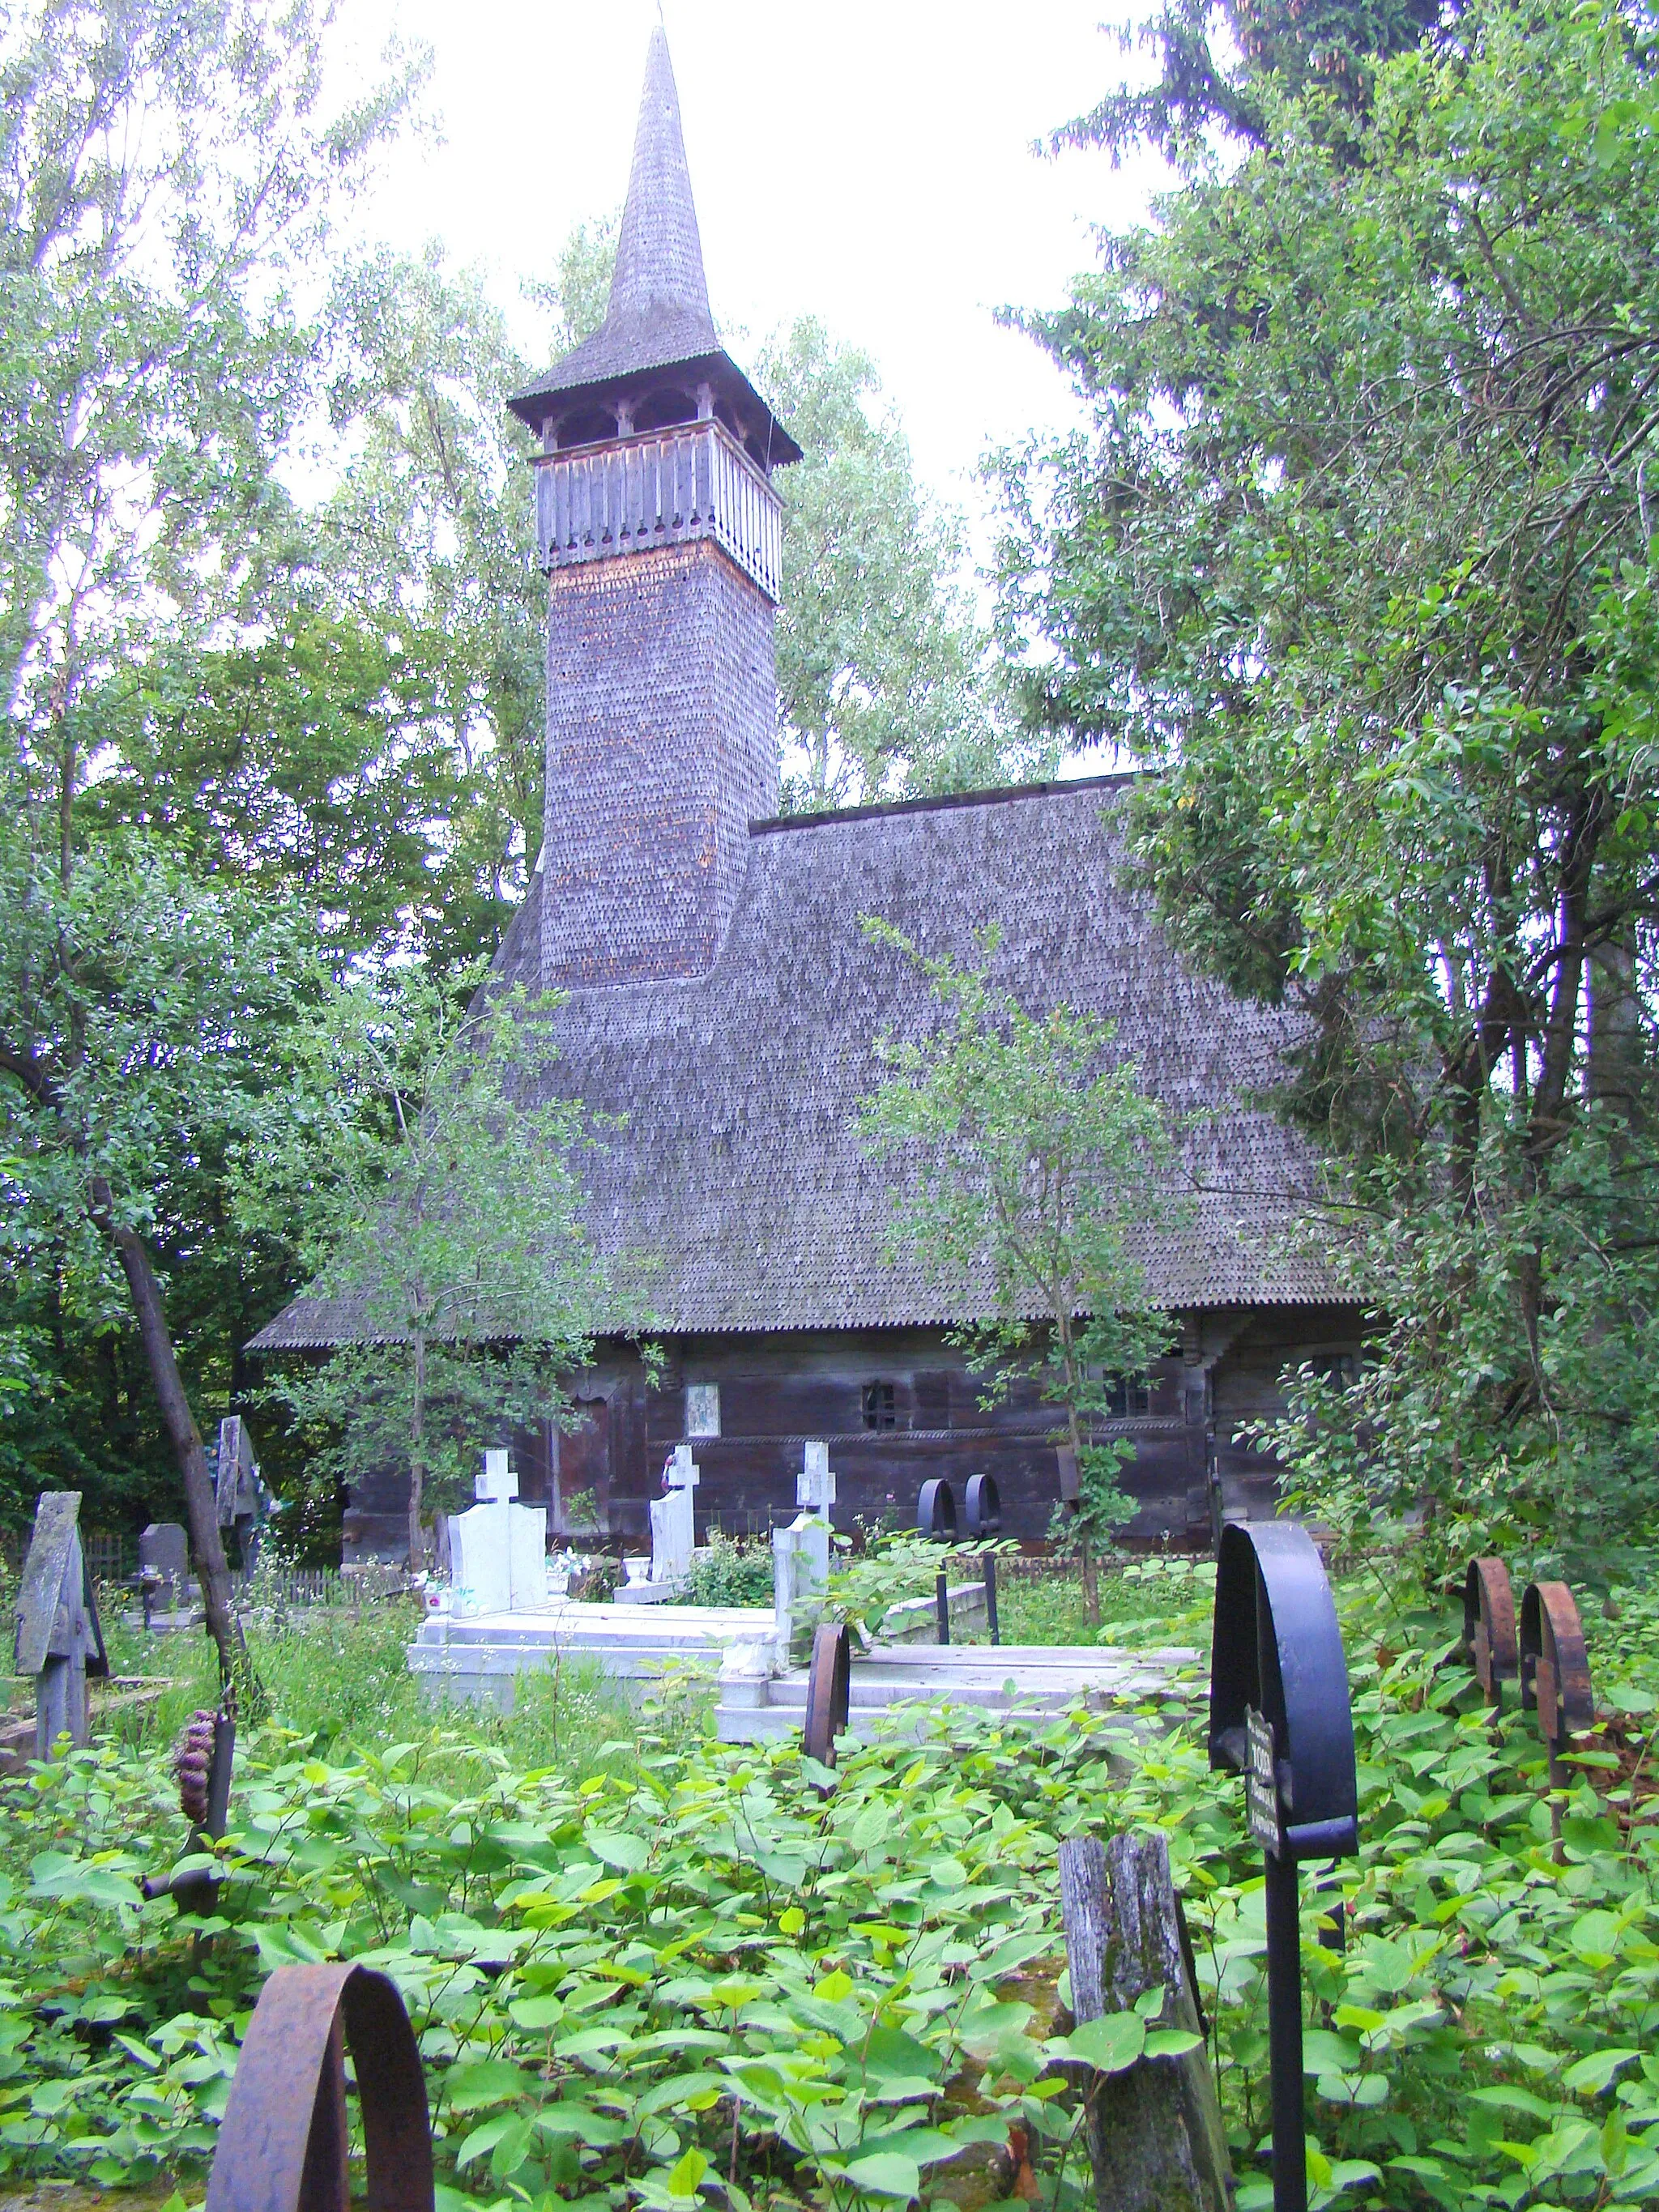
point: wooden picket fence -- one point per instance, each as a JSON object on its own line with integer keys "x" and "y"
{"x": 114, "y": 1558}
{"x": 293, "y": 1589}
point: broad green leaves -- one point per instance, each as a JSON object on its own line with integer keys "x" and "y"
{"x": 618, "y": 1849}
{"x": 620, "y": 2002}
{"x": 58, "y": 1875}
{"x": 1109, "y": 2045}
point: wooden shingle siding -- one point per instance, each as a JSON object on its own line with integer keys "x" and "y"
{"x": 742, "y": 1166}
{"x": 739, "y": 1168}
{"x": 661, "y": 746}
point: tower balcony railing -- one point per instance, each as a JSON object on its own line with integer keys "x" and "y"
{"x": 659, "y": 488}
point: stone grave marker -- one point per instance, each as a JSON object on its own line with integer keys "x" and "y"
{"x": 800, "y": 1553}
{"x": 164, "y": 1554}
{"x": 498, "y": 1549}
{"x": 815, "y": 1494}
{"x": 673, "y": 1521}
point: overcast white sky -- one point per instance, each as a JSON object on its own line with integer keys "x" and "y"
{"x": 868, "y": 162}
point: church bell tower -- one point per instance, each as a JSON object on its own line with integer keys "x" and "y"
{"x": 659, "y": 532}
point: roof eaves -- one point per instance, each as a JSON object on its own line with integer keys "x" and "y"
{"x": 942, "y": 802}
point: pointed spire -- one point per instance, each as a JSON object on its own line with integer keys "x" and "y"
{"x": 658, "y": 276}
{"x": 657, "y": 317}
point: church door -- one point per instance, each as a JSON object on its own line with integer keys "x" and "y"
{"x": 581, "y": 1459}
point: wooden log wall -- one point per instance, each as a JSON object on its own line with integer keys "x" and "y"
{"x": 776, "y": 1391}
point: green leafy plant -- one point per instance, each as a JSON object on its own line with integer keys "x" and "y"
{"x": 686, "y": 1970}
{"x": 1026, "y": 1153}
{"x": 442, "y": 1206}
{"x": 727, "y": 1571}
{"x": 890, "y": 1566}
{"x": 1275, "y": 572}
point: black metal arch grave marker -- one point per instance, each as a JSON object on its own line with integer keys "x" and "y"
{"x": 1280, "y": 1715}
{"x": 984, "y": 1506}
{"x": 936, "y": 1510}
{"x": 984, "y": 1525}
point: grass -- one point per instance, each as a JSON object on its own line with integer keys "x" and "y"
{"x": 1142, "y": 1602}
{"x": 338, "y": 1677}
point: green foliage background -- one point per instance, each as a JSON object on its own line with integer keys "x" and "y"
{"x": 1357, "y": 555}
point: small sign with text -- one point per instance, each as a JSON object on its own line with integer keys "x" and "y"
{"x": 1261, "y": 1785}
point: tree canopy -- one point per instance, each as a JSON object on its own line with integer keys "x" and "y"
{"x": 886, "y": 688}
{"x": 309, "y": 721}
{"x": 1024, "y": 1149}
{"x": 167, "y": 174}
{"x": 1357, "y": 556}
{"x": 442, "y": 1209}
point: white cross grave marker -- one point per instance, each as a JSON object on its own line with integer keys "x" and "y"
{"x": 800, "y": 1553}
{"x": 498, "y": 1481}
{"x": 673, "y": 1520}
{"x": 815, "y": 1485}
{"x": 498, "y": 1550}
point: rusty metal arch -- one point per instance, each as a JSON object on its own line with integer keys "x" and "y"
{"x": 1489, "y": 1627}
{"x": 284, "y": 2140}
{"x": 1555, "y": 1676}
{"x": 828, "y": 1691}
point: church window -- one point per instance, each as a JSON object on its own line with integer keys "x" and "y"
{"x": 880, "y": 1406}
{"x": 1127, "y": 1400}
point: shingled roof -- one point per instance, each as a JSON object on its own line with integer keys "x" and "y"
{"x": 740, "y": 1170}
{"x": 657, "y": 315}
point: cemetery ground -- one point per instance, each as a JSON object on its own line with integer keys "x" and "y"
{"x": 650, "y": 1969}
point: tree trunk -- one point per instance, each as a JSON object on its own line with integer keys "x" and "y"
{"x": 1615, "y": 1068}
{"x": 236, "y": 1673}
{"x": 1085, "y": 1533}
{"x": 417, "y": 1456}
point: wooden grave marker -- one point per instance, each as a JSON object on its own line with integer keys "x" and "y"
{"x": 241, "y": 1497}
{"x": 1154, "y": 2134}
{"x": 58, "y": 1638}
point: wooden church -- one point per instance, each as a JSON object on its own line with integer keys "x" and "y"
{"x": 725, "y": 1005}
